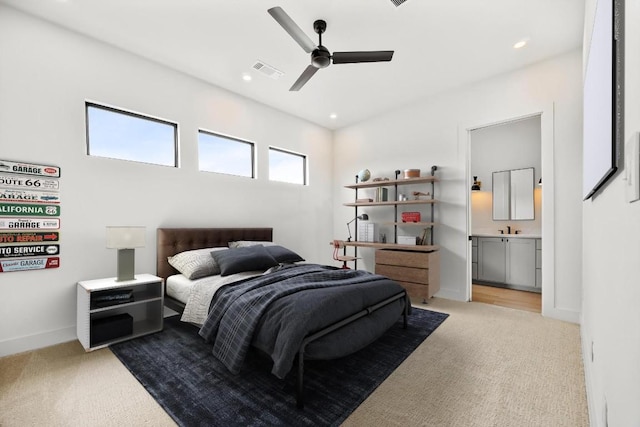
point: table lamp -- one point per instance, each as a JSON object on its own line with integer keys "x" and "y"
{"x": 363, "y": 217}
{"x": 125, "y": 239}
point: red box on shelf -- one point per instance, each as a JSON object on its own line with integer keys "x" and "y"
{"x": 410, "y": 216}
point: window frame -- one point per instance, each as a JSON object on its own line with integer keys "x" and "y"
{"x": 176, "y": 151}
{"x": 252, "y": 144}
{"x": 305, "y": 167}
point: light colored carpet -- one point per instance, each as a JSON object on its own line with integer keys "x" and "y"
{"x": 64, "y": 386}
{"x": 484, "y": 366}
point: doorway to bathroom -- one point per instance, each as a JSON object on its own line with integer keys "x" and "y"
{"x": 521, "y": 300}
{"x": 505, "y": 213}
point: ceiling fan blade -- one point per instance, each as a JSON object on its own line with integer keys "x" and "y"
{"x": 353, "y": 57}
{"x": 304, "y": 78}
{"x": 292, "y": 28}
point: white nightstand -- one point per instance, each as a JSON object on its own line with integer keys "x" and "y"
{"x": 116, "y": 318}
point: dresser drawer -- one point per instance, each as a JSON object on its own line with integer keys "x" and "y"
{"x": 417, "y": 293}
{"x": 417, "y": 272}
{"x": 403, "y": 258}
{"x": 404, "y": 274}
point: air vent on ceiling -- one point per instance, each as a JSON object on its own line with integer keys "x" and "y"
{"x": 398, "y": 2}
{"x": 268, "y": 70}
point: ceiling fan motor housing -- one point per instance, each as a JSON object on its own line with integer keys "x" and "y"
{"x": 321, "y": 57}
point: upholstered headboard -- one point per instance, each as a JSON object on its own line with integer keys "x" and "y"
{"x": 171, "y": 241}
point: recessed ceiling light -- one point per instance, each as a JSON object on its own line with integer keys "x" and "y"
{"x": 246, "y": 77}
{"x": 522, "y": 43}
{"x": 333, "y": 115}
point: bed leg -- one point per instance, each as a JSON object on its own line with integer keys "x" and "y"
{"x": 299, "y": 385}
{"x": 406, "y": 310}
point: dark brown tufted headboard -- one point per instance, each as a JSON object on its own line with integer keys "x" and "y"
{"x": 171, "y": 241}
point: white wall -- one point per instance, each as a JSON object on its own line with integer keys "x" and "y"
{"x": 611, "y": 271}
{"x": 512, "y": 145}
{"x": 429, "y": 133}
{"x": 46, "y": 74}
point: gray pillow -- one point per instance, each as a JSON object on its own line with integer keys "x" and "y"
{"x": 247, "y": 243}
{"x": 237, "y": 260}
{"x": 283, "y": 255}
{"x": 196, "y": 263}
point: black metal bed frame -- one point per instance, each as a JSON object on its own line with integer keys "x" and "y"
{"x": 179, "y": 307}
{"x": 331, "y": 328}
{"x": 171, "y": 241}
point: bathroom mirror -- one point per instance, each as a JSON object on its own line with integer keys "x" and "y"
{"x": 513, "y": 194}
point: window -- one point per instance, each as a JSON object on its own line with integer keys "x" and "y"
{"x": 129, "y": 136}
{"x": 286, "y": 166}
{"x": 223, "y": 154}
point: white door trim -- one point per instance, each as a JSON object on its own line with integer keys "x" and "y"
{"x": 547, "y": 136}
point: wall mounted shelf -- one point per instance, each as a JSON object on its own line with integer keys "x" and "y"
{"x": 392, "y": 182}
{"x": 427, "y": 199}
{"x": 393, "y": 203}
{"x": 414, "y": 248}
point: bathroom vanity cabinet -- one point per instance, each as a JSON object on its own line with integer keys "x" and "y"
{"x": 510, "y": 261}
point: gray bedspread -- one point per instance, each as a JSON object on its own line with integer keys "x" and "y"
{"x": 275, "y": 312}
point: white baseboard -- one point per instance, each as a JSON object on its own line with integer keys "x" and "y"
{"x": 560, "y": 314}
{"x": 449, "y": 294}
{"x": 33, "y": 342}
{"x": 588, "y": 376}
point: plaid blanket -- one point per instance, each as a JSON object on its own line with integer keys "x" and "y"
{"x": 237, "y": 309}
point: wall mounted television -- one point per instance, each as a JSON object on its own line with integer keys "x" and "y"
{"x": 603, "y": 129}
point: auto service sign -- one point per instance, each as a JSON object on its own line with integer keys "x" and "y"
{"x": 28, "y": 250}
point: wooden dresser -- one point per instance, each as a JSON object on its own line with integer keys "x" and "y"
{"x": 417, "y": 272}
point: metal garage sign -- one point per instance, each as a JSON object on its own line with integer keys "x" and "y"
{"x": 29, "y": 264}
{"x": 29, "y": 169}
{"x": 29, "y": 223}
{"x": 28, "y": 250}
{"x": 15, "y": 181}
{"x": 21, "y": 209}
{"x": 29, "y": 216}
{"x": 29, "y": 237}
{"x": 27, "y": 196}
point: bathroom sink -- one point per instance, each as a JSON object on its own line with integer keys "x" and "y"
{"x": 523, "y": 235}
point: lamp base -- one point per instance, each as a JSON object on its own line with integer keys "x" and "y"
{"x": 126, "y": 264}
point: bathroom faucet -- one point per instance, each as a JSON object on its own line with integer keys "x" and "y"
{"x": 508, "y": 229}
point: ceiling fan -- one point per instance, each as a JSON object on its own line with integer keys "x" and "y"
{"x": 320, "y": 55}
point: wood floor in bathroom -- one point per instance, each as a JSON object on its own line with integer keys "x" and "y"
{"x": 521, "y": 300}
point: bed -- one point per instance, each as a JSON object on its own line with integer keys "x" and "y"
{"x": 300, "y": 311}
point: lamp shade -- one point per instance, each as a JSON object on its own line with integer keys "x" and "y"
{"x": 125, "y": 237}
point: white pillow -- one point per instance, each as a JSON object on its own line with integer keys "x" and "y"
{"x": 196, "y": 263}
{"x": 247, "y": 243}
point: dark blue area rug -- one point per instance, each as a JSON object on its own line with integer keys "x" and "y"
{"x": 177, "y": 368}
